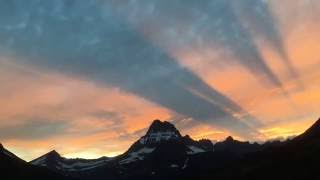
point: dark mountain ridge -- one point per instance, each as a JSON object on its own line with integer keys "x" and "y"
{"x": 54, "y": 161}
{"x": 163, "y": 153}
{"x": 162, "y": 144}
{"x": 12, "y": 167}
{"x": 295, "y": 159}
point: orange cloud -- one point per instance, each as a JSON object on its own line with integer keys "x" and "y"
{"x": 264, "y": 102}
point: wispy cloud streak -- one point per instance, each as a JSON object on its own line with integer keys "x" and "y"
{"x": 201, "y": 24}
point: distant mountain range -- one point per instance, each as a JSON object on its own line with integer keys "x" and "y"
{"x": 163, "y": 153}
{"x": 12, "y": 167}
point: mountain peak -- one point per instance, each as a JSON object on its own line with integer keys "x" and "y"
{"x": 160, "y": 131}
{"x": 163, "y": 138}
{"x": 1, "y": 146}
{"x": 229, "y": 139}
{"x": 53, "y": 154}
{"x": 158, "y": 126}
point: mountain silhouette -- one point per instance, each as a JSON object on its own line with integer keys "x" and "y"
{"x": 163, "y": 153}
{"x": 311, "y": 135}
{"x": 12, "y": 167}
{"x": 162, "y": 148}
{"x": 54, "y": 161}
{"x": 294, "y": 159}
{"x": 161, "y": 133}
{"x": 237, "y": 147}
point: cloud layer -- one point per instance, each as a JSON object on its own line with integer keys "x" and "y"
{"x": 53, "y": 36}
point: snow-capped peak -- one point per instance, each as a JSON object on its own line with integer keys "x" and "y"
{"x": 55, "y": 161}
{"x": 160, "y": 131}
{"x": 162, "y": 136}
{"x": 52, "y": 156}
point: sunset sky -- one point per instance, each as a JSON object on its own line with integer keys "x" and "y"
{"x": 88, "y": 77}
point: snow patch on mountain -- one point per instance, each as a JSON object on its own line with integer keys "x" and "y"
{"x": 82, "y": 165}
{"x": 158, "y": 137}
{"x": 185, "y": 165}
{"x": 174, "y": 166}
{"x": 137, "y": 155}
{"x": 61, "y": 163}
{"x": 195, "y": 150}
{"x": 40, "y": 161}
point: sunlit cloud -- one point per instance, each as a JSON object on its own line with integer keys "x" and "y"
{"x": 150, "y": 72}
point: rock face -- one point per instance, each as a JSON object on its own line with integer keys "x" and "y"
{"x": 164, "y": 141}
{"x": 160, "y": 133}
